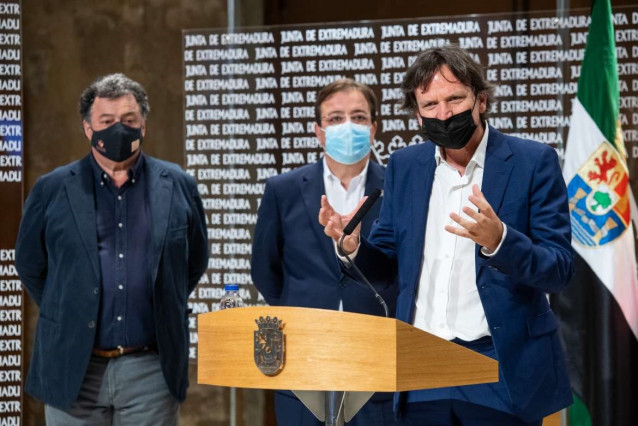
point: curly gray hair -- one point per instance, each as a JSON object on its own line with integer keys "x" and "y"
{"x": 112, "y": 86}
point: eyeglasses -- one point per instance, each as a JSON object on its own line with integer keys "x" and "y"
{"x": 357, "y": 118}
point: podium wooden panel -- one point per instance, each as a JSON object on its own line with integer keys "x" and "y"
{"x": 337, "y": 351}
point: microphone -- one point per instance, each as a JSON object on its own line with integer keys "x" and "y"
{"x": 363, "y": 210}
{"x": 358, "y": 216}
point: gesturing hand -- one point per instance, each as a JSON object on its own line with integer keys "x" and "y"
{"x": 334, "y": 223}
{"x": 485, "y": 228}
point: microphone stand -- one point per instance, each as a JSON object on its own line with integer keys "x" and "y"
{"x": 361, "y": 276}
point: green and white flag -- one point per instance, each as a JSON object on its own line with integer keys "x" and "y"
{"x": 599, "y": 311}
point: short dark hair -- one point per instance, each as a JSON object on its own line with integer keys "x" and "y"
{"x": 342, "y": 85}
{"x": 112, "y": 86}
{"x": 462, "y": 65}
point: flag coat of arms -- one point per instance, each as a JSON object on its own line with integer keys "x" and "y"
{"x": 599, "y": 311}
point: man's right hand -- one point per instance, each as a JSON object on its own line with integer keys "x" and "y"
{"x": 334, "y": 223}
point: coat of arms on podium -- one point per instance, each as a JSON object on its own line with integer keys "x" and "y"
{"x": 269, "y": 345}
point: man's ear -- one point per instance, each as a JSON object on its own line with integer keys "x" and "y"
{"x": 88, "y": 132}
{"x": 373, "y": 131}
{"x": 321, "y": 135}
{"x": 482, "y": 99}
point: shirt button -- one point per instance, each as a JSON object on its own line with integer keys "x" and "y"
{"x": 121, "y": 256}
{"x": 133, "y": 180}
{"x": 119, "y": 197}
{"x": 101, "y": 183}
{"x": 91, "y": 324}
{"x": 121, "y": 287}
{"x": 119, "y": 318}
{"x": 120, "y": 224}
{"x": 95, "y": 290}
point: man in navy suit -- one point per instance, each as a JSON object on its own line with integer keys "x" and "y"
{"x": 479, "y": 225}
{"x": 109, "y": 248}
{"x": 293, "y": 261}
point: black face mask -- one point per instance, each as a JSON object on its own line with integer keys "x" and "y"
{"x": 116, "y": 142}
{"x": 453, "y": 133}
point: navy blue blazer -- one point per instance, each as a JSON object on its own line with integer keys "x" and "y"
{"x": 57, "y": 260}
{"x": 522, "y": 181}
{"x": 294, "y": 263}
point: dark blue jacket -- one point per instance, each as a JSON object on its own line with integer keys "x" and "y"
{"x": 57, "y": 260}
{"x": 293, "y": 261}
{"x": 522, "y": 181}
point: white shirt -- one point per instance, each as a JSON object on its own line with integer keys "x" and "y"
{"x": 342, "y": 200}
{"x": 448, "y": 303}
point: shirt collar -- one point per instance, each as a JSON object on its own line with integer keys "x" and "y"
{"x": 133, "y": 173}
{"x": 330, "y": 177}
{"x": 479, "y": 155}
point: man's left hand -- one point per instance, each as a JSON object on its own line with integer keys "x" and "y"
{"x": 486, "y": 229}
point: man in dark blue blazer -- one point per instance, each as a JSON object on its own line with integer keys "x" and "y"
{"x": 479, "y": 224}
{"x": 109, "y": 248}
{"x": 293, "y": 261}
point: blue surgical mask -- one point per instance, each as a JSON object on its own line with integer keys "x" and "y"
{"x": 347, "y": 143}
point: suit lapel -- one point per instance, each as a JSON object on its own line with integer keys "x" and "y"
{"x": 374, "y": 180}
{"x": 497, "y": 169}
{"x": 312, "y": 188}
{"x": 496, "y": 175}
{"x": 79, "y": 189}
{"x": 160, "y": 194}
{"x": 421, "y": 180}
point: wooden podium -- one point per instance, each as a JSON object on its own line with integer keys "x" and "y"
{"x": 334, "y": 352}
